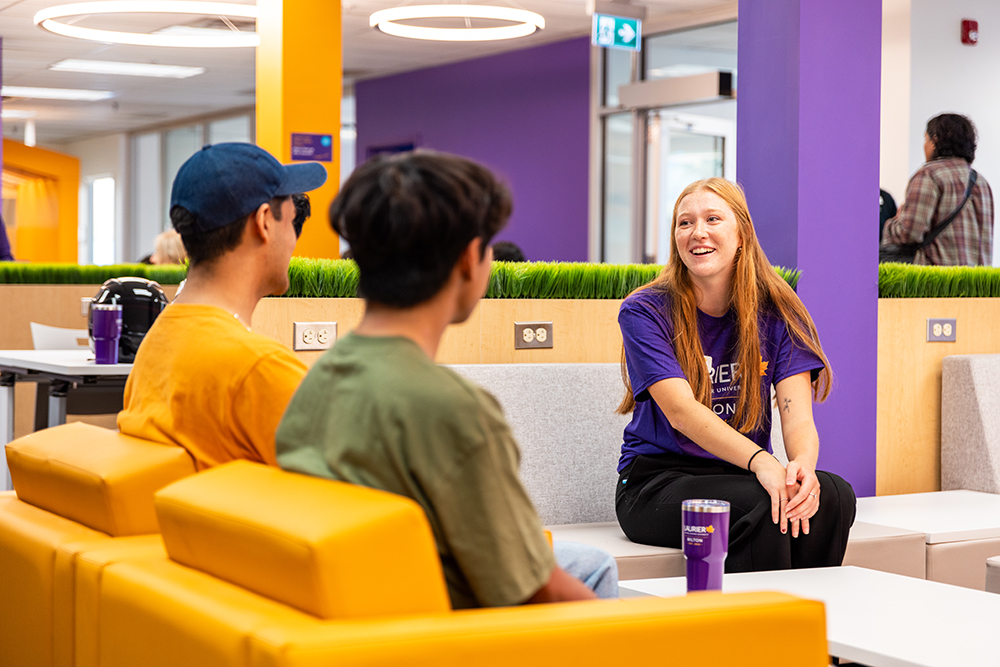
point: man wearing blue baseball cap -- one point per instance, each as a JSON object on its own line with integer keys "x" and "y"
{"x": 202, "y": 380}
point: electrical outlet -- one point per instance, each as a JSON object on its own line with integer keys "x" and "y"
{"x": 941, "y": 330}
{"x": 313, "y": 335}
{"x": 528, "y": 335}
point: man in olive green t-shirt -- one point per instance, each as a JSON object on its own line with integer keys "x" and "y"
{"x": 377, "y": 411}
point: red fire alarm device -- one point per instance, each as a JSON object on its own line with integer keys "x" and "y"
{"x": 970, "y": 32}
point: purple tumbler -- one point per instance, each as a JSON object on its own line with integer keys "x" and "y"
{"x": 705, "y": 540}
{"x": 107, "y": 329}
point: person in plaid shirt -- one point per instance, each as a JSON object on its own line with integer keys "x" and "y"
{"x": 937, "y": 189}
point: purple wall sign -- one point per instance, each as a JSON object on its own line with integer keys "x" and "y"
{"x": 524, "y": 114}
{"x": 808, "y": 156}
{"x": 312, "y": 147}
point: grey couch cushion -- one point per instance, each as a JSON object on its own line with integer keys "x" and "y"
{"x": 563, "y": 418}
{"x": 993, "y": 574}
{"x": 970, "y": 422}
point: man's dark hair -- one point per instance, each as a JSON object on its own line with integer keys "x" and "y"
{"x": 303, "y": 209}
{"x": 208, "y": 246}
{"x": 953, "y": 135}
{"x": 507, "y": 251}
{"x": 409, "y": 217}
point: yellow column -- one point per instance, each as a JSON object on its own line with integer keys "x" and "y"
{"x": 299, "y": 84}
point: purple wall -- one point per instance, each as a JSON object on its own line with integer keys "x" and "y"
{"x": 808, "y": 156}
{"x": 524, "y": 114}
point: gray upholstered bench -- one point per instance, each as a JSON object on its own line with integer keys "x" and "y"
{"x": 970, "y": 422}
{"x": 563, "y": 417}
{"x": 993, "y": 574}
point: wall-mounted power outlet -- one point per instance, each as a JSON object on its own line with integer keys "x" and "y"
{"x": 941, "y": 330}
{"x": 313, "y": 335}
{"x": 529, "y": 335}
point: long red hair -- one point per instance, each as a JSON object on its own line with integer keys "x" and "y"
{"x": 756, "y": 287}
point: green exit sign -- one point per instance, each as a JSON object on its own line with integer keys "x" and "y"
{"x": 617, "y": 32}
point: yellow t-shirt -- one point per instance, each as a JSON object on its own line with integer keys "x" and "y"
{"x": 205, "y": 383}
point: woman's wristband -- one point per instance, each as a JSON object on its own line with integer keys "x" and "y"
{"x": 753, "y": 457}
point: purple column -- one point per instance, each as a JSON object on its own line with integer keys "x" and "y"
{"x": 808, "y": 156}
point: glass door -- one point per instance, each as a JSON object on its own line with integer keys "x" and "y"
{"x": 680, "y": 149}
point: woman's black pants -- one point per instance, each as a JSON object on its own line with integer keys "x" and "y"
{"x": 652, "y": 488}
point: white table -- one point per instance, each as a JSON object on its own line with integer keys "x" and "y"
{"x": 877, "y": 618}
{"x": 64, "y": 369}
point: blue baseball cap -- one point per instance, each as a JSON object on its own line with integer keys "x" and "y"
{"x": 223, "y": 183}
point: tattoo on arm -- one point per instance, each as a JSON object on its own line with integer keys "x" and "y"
{"x": 788, "y": 405}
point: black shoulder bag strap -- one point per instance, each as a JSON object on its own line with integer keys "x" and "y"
{"x": 933, "y": 234}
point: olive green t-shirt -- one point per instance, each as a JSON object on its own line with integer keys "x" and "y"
{"x": 378, "y": 412}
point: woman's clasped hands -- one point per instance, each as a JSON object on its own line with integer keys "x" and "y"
{"x": 794, "y": 492}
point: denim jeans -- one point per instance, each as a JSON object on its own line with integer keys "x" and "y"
{"x": 594, "y": 567}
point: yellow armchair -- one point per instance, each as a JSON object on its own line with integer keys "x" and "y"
{"x": 272, "y": 569}
{"x": 78, "y": 488}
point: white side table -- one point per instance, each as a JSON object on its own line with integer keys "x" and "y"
{"x": 65, "y": 369}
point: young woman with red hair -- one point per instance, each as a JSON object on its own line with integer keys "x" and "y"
{"x": 704, "y": 343}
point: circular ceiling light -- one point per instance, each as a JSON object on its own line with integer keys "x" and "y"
{"x": 525, "y": 22}
{"x": 47, "y": 19}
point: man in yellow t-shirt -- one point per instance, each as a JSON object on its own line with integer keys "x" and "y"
{"x": 202, "y": 380}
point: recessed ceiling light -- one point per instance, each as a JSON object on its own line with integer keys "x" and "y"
{"x": 46, "y": 19}
{"x": 126, "y": 69}
{"x": 17, "y": 114}
{"x": 56, "y": 93}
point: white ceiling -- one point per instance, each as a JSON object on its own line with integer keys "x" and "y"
{"x": 142, "y": 102}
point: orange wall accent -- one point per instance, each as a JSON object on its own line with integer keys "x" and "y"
{"x": 299, "y": 86}
{"x": 47, "y": 206}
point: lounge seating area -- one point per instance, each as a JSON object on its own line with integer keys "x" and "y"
{"x": 562, "y": 416}
{"x": 116, "y": 554}
{"x": 113, "y": 552}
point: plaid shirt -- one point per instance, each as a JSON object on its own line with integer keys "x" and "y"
{"x": 933, "y": 194}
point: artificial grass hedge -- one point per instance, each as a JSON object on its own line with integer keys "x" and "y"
{"x": 908, "y": 281}
{"x": 525, "y": 280}
{"x": 339, "y": 278}
{"x": 17, "y": 273}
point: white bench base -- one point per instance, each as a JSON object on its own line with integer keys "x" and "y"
{"x": 961, "y": 530}
{"x": 894, "y": 550}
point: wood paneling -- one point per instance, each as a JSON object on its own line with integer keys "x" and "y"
{"x": 274, "y": 317}
{"x": 583, "y": 330}
{"x": 909, "y": 384}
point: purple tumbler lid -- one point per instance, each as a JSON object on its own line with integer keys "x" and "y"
{"x": 704, "y": 505}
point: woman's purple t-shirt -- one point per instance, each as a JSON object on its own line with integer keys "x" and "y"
{"x": 648, "y": 333}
